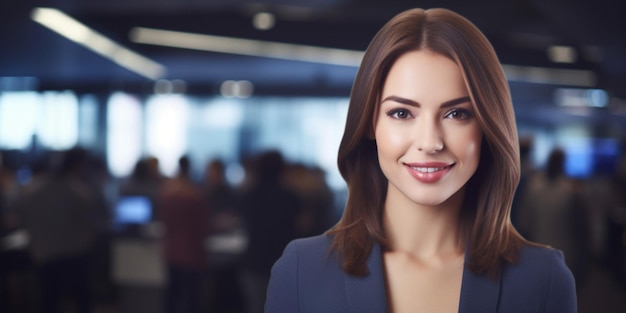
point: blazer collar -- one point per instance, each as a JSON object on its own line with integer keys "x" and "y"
{"x": 478, "y": 292}
{"x": 368, "y": 294}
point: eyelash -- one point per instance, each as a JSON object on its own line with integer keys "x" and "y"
{"x": 394, "y": 113}
{"x": 466, "y": 114}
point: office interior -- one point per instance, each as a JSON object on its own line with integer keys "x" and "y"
{"x": 133, "y": 81}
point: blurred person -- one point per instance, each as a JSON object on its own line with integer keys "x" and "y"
{"x": 98, "y": 180}
{"x": 225, "y": 220}
{"x": 8, "y": 191}
{"x": 183, "y": 213}
{"x": 616, "y": 225}
{"x": 221, "y": 195}
{"x": 316, "y": 199}
{"x": 430, "y": 155}
{"x": 270, "y": 211}
{"x": 58, "y": 212}
{"x": 554, "y": 213}
{"x": 16, "y": 265}
{"x": 145, "y": 179}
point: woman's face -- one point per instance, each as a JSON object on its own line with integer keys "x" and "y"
{"x": 427, "y": 136}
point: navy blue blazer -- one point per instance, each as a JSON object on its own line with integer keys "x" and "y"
{"x": 307, "y": 279}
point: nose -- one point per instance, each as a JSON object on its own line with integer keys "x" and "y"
{"x": 429, "y": 137}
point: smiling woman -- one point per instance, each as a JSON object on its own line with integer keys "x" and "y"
{"x": 430, "y": 155}
{"x": 427, "y": 137}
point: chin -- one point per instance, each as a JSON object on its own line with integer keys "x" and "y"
{"x": 429, "y": 201}
{"x": 434, "y": 198}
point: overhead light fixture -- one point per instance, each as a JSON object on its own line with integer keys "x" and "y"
{"x": 248, "y": 47}
{"x": 562, "y": 54}
{"x": 75, "y": 31}
{"x": 237, "y": 89}
{"x": 585, "y": 98}
{"x": 263, "y": 21}
{"x": 259, "y": 48}
{"x": 554, "y": 76}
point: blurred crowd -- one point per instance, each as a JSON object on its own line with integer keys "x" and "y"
{"x": 583, "y": 217}
{"x": 58, "y": 225}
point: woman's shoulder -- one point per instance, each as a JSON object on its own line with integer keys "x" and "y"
{"x": 540, "y": 263}
{"x": 539, "y": 276}
{"x": 307, "y": 275}
{"x": 540, "y": 258}
{"x": 310, "y": 252}
{"x": 311, "y": 244}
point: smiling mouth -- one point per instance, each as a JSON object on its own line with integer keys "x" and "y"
{"x": 430, "y": 169}
{"x": 429, "y": 173}
{"x": 424, "y": 169}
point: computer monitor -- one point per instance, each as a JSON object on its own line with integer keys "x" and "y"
{"x": 132, "y": 210}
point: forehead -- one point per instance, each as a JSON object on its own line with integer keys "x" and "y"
{"x": 425, "y": 75}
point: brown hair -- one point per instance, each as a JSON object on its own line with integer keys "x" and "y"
{"x": 489, "y": 193}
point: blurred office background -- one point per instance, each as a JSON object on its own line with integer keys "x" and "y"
{"x": 136, "y": 91}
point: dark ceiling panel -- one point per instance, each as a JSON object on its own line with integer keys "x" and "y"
{"x": 520, "y": 31}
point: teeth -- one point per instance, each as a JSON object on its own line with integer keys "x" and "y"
{"x": 428, "y": 169}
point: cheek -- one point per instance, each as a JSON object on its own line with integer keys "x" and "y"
{"x": 389, "y": 141}
{"x": 472, "y": 147}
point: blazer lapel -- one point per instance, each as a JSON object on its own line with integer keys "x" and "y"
{"x": 367, "y": 294}
{"x": 478, "y": 293}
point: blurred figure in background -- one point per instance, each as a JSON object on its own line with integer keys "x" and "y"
{"x": 316, "y": 199}
{"x": 145, "y": 179}
{"x": 58, "y": 212}
{"x": 221, "y": 195}
{"x": 11, "y": 296}
{"x": 98, "y": 180}
{"x": 184, "y": 214}
{"x": 554, "y": 213}
{"x": 226, "y": 221}
{"x": 270, "y": 211}
{"x": 616, "y": 225}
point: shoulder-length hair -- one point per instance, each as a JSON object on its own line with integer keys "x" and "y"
{"x": 489, "y": 193}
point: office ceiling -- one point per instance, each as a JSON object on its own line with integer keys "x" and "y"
{"x": 520, "y": 30}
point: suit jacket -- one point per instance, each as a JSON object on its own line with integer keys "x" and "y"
{"x": 307, "y": 278}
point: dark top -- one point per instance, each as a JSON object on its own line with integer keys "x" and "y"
{"x": 307, "y": 278}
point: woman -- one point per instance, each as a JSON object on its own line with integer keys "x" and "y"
{"x": 430, "y": 156}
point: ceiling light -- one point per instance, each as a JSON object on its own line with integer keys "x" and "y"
{"x": 555, "y": 76}
{"x": 586, "y": 98}
{"x": 562, "y": 54}
{"x": 75, "y": 31}
{"x": 246, "y": 46}
{"x": 236, "y": 89}
{"x": 263, "y": 21}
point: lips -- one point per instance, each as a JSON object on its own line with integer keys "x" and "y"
{"x": 428, "y": 172}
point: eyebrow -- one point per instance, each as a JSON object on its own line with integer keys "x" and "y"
{"x": 446, "y": 104}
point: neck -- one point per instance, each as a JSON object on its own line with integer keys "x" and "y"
{"x": 424, "y": 232}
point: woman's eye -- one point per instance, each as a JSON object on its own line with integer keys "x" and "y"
{"x": 399, "y": 113}
{"x": 459, "y": 114}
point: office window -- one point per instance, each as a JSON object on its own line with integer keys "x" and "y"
{"x": 166, "y": 130}
{"x": 57, "y": 126}
{"x": 88, "y": 121}
{"x": 213, "y": 131}
{"x": 124, "y": 133}
{"x": 18, "y": 118}
{"x": 305, "y": 130}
